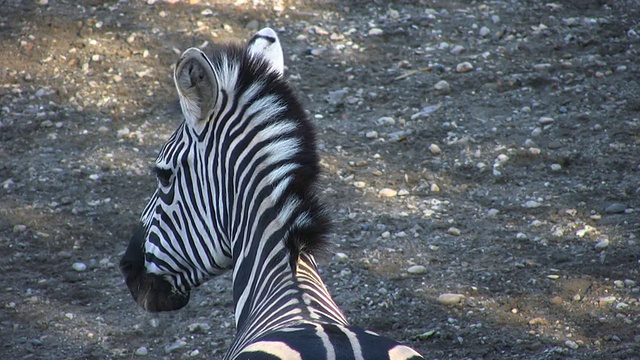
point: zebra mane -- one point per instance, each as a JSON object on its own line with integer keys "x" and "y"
{"x": 306, "y": 233}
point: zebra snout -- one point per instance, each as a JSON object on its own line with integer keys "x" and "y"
{"x": 152, "y": 292}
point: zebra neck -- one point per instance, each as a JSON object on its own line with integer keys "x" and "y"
{"x": 278, "y": 297}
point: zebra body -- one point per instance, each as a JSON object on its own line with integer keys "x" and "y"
{"x": 236, "y": 192}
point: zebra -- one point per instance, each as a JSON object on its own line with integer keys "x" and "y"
{"x": 236, "y": 190}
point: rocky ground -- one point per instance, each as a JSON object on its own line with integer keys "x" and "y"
{"x": 482, "y": 160}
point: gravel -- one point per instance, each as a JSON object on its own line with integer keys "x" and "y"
{"x": 538, "y": 137}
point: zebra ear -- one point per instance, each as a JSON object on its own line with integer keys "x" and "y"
{"x": 197, "y": 86}
{"x": 265, "y": 44}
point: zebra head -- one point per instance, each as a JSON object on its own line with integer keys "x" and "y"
{"x": 185, "y": 231}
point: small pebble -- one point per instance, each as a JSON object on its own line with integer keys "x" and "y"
{"x": 629, "y": 283}
{"x": 385, "y": 235}
{"x": 457, "y": 50}
{"x": 619, "y": 284}
{"x": 571, "y": 344}
{"x": 545, "y": 120}
{"x": 174, "y": 346}
{"x": 342, "y": 257}
{"x": 194, "y": 352}
{"x": 442, "y": 86}
{"x": 403, "y": 192}
{"x": 386, "y": 120}
{"x": 386, "y": 192}
{"x": 484, "y": 31}
{"x": 141, "y": 351}
{"x": 532, "y": 204}
{"x": 371, "y": 134}
{"x": 606, "y": 300}
{"x": 521, "y": 236}
{"x": 359, "y": 184}
{"x": 553, "y": 277}
{"x": 450, "y": 299}
{"x": 464, "y": 67}
{"x": 434, "y": 187}
{"x": 198, "y": 328}
{"x": 417, "y": 269}
{"x": 123, "y": 132}
{"x": 79, "y": 267}
{"x": 538, "y": 321}
{"x": 621, "y": 306}
{"x": 453, "y": 231}
{"x": 375, "y": 32}
{"x": 615, "y": 208}
{"x": 556, "y": 167}
{"x": 556, "y": 300}
{"x": 435, "y": 149}
{"x": 19, "y": 228}
{"x": 612, "y": 338}
{"x": 603, "y": 244}
{"x": 541, "y": 67}
{"x": 493, "y": 212}
{"x": 536, "y": 132}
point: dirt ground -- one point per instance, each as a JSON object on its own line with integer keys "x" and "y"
{"x": 483, "y": 148}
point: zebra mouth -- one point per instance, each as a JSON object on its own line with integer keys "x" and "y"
{"x": 152, "y": 292}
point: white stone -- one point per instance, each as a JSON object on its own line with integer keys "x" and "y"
{"x": 123, "y": 132}
{"x": 484, "y": 31}
{"x": 621, "y": 306}
{"x": 442, "y": 86}
{"x": 457, "y": 50}
{"x": 342, "y": 257}
{"x": 453, "y": 231}
{"x": 371, "y": 134}
{"x": 464, "y": 67}
{"x": 375, "y": 32}
{"x": 607, "y": 300}
{"x": 545, "y": 120}
{"x": 435, "y": 149}
{"x": 556, "y": 167}
{"x": 417, "y": 269}
{"x": 386, "y": 120}
{"x": 403, "y": 192}
{"x": 359, "y": 184}
{"x": 386, "y": 192}
{"x": 571, "y": 344}
{"x": 79, "y": 267}
{"x": 174, "y": 346}
{"x": 450, "y": 299}
{"x": 493, "y": 212}
{"x": 532, "y": 204}
{"x": 603, "y": 244}
{"x": 141, "y": 351}
{"x": 198, "y": 327}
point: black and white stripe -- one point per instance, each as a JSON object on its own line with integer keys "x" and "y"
{"x": 236, "y": 191}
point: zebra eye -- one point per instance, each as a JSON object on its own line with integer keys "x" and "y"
{"x": 163, "y": 175}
